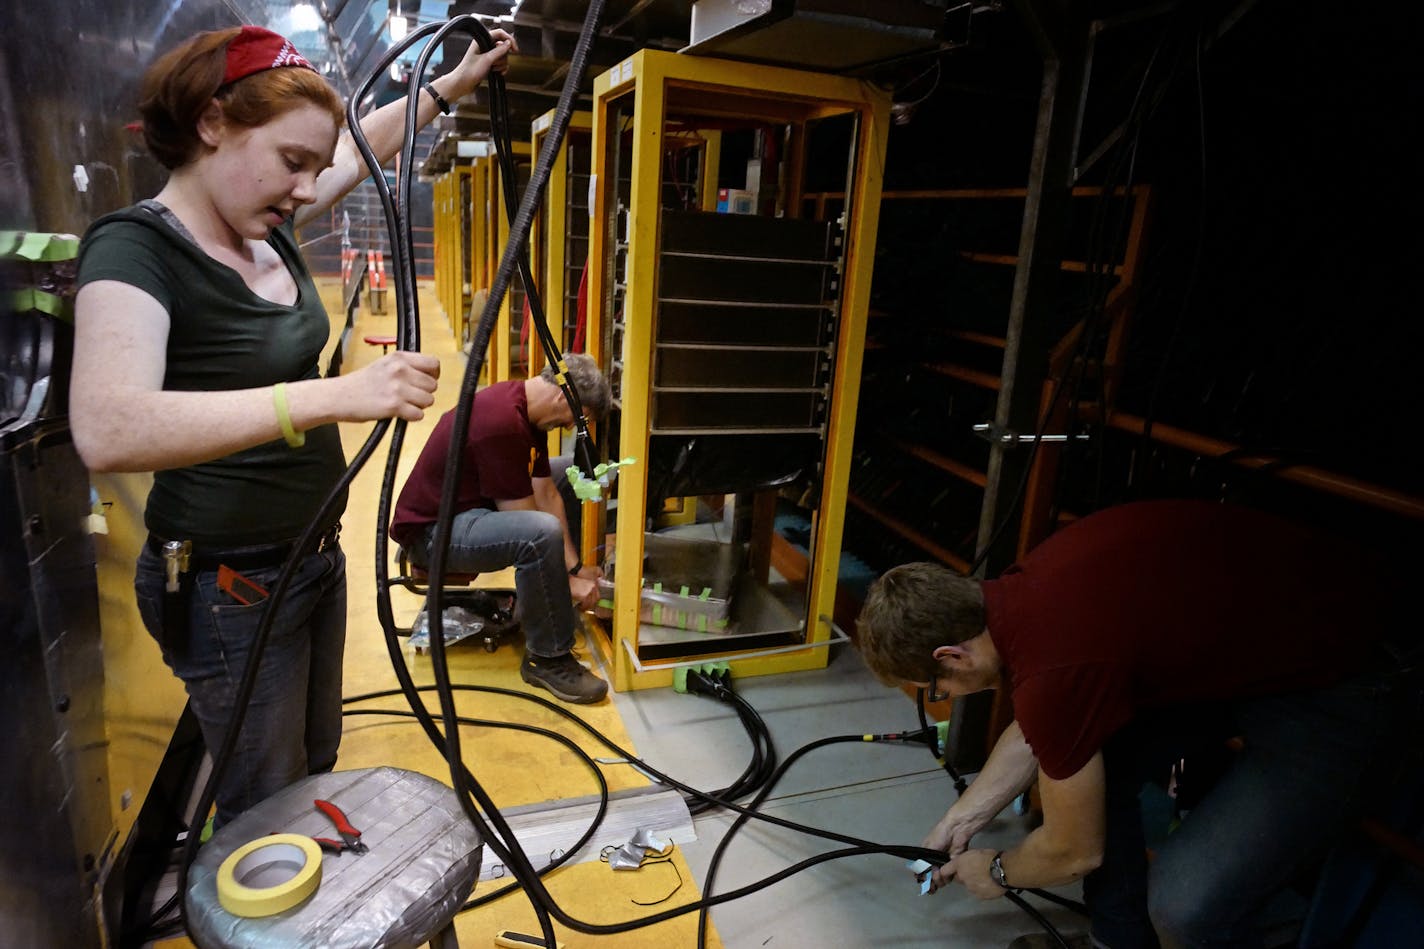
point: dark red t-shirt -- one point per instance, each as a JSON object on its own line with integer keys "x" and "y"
{"x": 1165, "y": 602}
{"x": 503, "y": 453}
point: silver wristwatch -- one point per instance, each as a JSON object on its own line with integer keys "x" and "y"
{"x": 996, "y": 870}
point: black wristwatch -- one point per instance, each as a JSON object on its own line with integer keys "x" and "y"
{"x": 440, "y": 102}
{"x": 996, "y": 871}
{"x": 573, "y": 571}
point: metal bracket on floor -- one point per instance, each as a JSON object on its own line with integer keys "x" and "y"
{"x": 838, "y": 635}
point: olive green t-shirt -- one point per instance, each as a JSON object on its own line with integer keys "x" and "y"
{"x": 222, "y": 336}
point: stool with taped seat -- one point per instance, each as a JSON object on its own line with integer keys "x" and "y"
{"x": 422, "y": 864}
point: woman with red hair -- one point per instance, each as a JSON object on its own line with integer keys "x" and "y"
{"x": 197, "y": 336}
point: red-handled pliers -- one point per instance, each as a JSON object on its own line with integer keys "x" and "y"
{"x": 349, "y": 835}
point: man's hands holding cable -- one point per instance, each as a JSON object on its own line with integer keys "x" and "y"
{"x": 399, "y": 384}
{"x": 952, "y": 835}
{"x": 971, "y": 868}
{"x": 583, "y": 587}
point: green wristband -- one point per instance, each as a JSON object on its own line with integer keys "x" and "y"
{"x": 294, "y": 438}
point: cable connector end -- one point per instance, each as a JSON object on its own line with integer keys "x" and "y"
{"x": 709, "y": 678}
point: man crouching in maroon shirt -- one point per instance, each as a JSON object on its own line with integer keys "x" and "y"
{"x": 1132, "y": 639}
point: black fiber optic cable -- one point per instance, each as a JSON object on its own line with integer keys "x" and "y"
{"x": 1145, "y": 440}
{"x": 470, "y": 793}
{"x": 466, "y": 786}
{"x": 1098, "y": 272}
{"x": 468, "y": 790}
{"x": 931, "y": 856}
{"x": 1143, "y": 107}
{"x": 942, "y": 759}
{"x": 756, "y": 802}
{"x": 564, "y": 740}
{"x": 540, "y": 895}
{"x": 503, "y": 846}
{"x": 763, "y": 764}
{"x": 585, "y": 450}
{"x": 222, "y": 755}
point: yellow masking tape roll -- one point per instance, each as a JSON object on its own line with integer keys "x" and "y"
{"x": 270, "y": 874}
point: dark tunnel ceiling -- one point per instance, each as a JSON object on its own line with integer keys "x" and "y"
{"x": 545, "y": 30}
{"x": 988, "y": 38}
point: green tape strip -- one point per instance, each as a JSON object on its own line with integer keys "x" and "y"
{"x": 684, "y": 590}
{"x": 29, "y": 299}
{"x": 706, "y": 592}
{"x": 39, "y": 246}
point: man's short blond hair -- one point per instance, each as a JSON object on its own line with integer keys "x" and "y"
{"x": 910, "y": 611}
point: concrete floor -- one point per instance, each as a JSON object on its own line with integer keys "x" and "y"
{"x": 885, "y": 793}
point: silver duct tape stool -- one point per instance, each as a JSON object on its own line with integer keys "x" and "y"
{"x": 423, "y": 862}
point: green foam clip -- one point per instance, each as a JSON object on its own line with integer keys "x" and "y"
{"x": 591, "y": 489}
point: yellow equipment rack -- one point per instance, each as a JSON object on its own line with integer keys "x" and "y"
{"x": 682, "y": 375}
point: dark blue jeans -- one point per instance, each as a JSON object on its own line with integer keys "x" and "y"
{"x": 293, "y": 723}
{"x": 532, "y": 542}
{"x": 1304, "y": 776}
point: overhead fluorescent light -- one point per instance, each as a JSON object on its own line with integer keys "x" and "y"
{"x": 303, "y": 18}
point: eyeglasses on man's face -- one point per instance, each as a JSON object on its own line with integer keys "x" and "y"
{"x": 934, "y": 693}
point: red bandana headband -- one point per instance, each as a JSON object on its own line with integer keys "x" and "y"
{"x": 257, "y": 50}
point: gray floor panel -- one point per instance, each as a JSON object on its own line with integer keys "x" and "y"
{"x": 885, "y": 793}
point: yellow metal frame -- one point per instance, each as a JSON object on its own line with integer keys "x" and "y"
{"x": 458, "y": 289}
{"x": 551, "y": 226}
{"x": 444, "y": 223}
{"x": 452, "y": 247}
{"x": 718, "y": 89}
{"x": 479, "y": 237}
{"x": 500, "y": 360}
{"x": 438, "y": 216}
